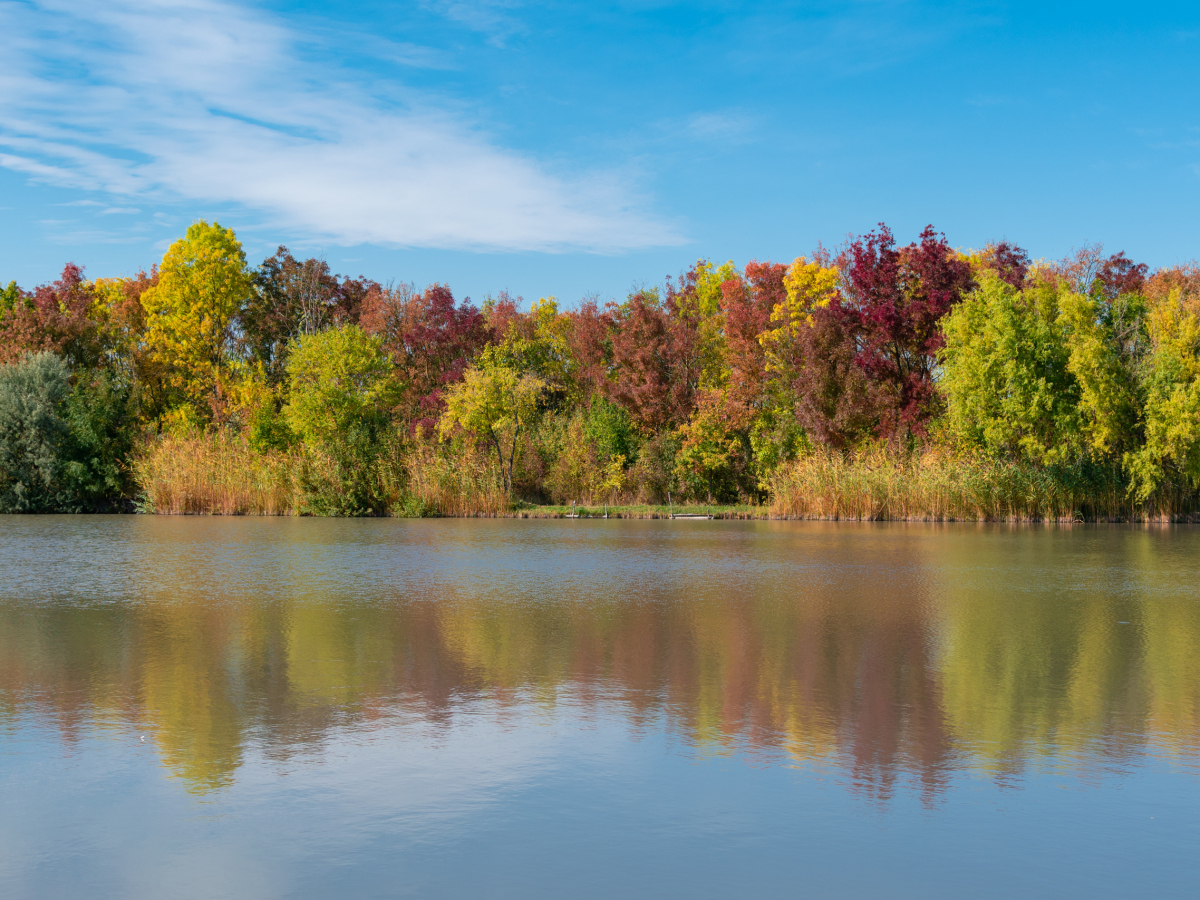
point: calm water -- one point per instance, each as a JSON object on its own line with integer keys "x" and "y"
{"x": 307, "y": 708}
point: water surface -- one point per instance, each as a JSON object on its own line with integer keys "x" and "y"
{"x": 263, "y": 708}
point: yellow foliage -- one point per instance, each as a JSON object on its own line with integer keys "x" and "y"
{"x": 810, "y": 286}
{"x": 191, "y": 312}
{"x": 709, "y": 279}
{"x": 1172, "y": 409}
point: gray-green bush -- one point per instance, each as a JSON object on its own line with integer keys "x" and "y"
{"x": 32, "y": 432}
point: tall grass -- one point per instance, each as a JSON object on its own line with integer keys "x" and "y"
{"x": 215, "y": 474}
{"x": 221, "y": 474}
{"x": 462, "y": 482}
{"x": 939, "y": 486}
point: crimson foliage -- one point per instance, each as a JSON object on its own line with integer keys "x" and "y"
{"x": 893, "y": 301}
{"x": 431, "y": 341}
{"x": 56, "y": 317}
{"x": 746, "y": 305}
{"x": 653, "y": 360}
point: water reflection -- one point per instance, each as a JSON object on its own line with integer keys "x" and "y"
{"x": 897, "y": 654}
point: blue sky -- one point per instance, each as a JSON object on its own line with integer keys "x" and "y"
{"x": 582, "y": 149}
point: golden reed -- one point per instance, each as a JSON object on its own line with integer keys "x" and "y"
{"x": 936, "y": 486}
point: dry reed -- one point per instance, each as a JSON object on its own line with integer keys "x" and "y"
{"x": 936, "y": 486}
{"x": 215, "y": 474}
{"x": 463, "y": 484}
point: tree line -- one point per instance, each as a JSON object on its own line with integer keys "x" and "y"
{"x": 705, "y": 387}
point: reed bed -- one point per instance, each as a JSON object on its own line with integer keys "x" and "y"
{"x": 221, "y": 474}
{"x": 439, "y": 484}
{"x": 939, "y": 487}
{"x": 215, "y": 474}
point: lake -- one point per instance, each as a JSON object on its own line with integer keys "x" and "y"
{"x": 261, "y": 708}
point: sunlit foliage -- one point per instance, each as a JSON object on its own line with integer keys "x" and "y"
{"x": 716, "y": 385}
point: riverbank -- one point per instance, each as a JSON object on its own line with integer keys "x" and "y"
{"x": 221, "y": 474}
{"x": 766, "y": 513}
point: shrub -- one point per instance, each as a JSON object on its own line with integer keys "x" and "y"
{"x": 95, "y": 473}
{"x": 653, "y": 476}
{"x": 32, "y": 432}
{"x": 355, "y": 473}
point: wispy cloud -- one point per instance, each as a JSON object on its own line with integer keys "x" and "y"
{"x": 722, "y": 127}
{"x": 493, "y": 18}
{"x": 206, "y": 101}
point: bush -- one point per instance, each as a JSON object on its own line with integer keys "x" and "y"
{"x": 356, "y": 473}
{"x": 100, "y": 417}
{"x": 583, "y": 465}
{"x": 653, "y": 476}
{"x": 32, "y": 432}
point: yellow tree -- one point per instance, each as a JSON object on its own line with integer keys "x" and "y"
{"x": 1172, "y": 408}
{"x": 493, "y": 401}
{"x": 190, "y": 312}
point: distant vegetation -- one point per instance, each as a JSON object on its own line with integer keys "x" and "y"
{"x": 882, "y": 381}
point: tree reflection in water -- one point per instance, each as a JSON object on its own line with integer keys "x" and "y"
{"x": 901, "y": 661}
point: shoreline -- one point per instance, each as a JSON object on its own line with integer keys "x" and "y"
{"x": 723, "y": 513}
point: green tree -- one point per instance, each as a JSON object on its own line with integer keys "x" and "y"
{"x": 11, "y": 297}
{"x": 101, "y": 416}
{"x": 1172, "y": 408}
{"x": 1006, "y": 372}
{"x": 191, "y": 313}
{"x": 339, "y": 393}
{"x": 1107, "y": 342}
{"x": 493, "y": 402}
{"x": 335, "y": 378}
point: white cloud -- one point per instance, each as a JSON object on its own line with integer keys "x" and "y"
{"x": 490, "y": 17}
{"x": 206, "y": 101}
{"x": 722, "y": 127}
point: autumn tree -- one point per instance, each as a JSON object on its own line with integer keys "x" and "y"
{"x": 496, "y": 403}
{"x": 894, "y": 300}
{"x": 191, "y": 316}
{"x": 590, "y": 349}
{"x": 431, "y": 341}
{"x": 57, "y": 318}
{"x": 655, "y": 378}
{"x": 747, "y": 304}
{"x": 292, "y": 298}
{"x": 811, "y": 358}
{"x": 1008, "y": 261}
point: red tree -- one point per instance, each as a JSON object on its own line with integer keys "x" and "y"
{"x": 431, "y": 341}
{"x": 746, "y": 305}
{"x": 55, "y": 317}
{"x": 653, "y": 363}
{"x": 1120, "y": 275}
{"x": 1010, "y": 262}
{"x": 590, "y": 343}
{"x": 895, "y": 299}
